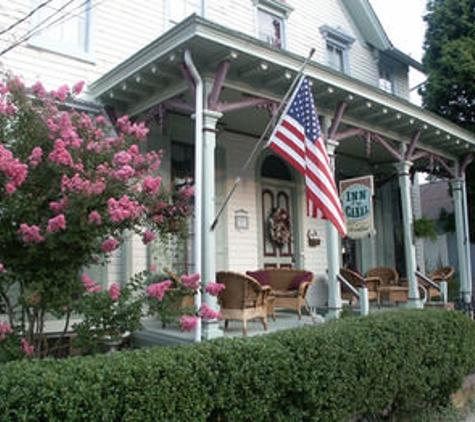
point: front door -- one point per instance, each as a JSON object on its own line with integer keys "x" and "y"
{"x": 277, "y": 226}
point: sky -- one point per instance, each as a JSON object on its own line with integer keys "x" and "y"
{"x": 402, "y": 21}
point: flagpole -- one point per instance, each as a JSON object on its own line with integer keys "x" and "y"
{"x": 270, "y": 123}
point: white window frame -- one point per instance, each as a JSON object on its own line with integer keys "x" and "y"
{"x": 173, "y": 16}
{"x": 386, "y": 78}
{"x": 337, "y": 40}
{"x": 52, "y": 31}
{"x": 276, "y": 10}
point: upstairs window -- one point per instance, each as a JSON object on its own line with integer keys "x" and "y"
{"x": 386, "y": 79}
{"x": 271, "y": 28}
{"x": 177, "y": 10}
{"x": 271, "y": 17}
{"x": 63, "y": 26}
{"x": 338, "y": 44}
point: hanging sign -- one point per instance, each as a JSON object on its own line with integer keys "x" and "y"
{"x": 357, "y": 200}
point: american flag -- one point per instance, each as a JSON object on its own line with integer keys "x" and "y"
{"x": 298, "y": 139}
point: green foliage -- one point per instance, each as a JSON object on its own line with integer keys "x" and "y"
{"x": 402, "y": 361}
{"x": 425, "y": 227}
{"x": 449, "y": 62}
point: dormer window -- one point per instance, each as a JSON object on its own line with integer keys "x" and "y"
{"x": 386, "y": 79}
{"x": 271, "y": 17}
{"x": 338, "y": 44}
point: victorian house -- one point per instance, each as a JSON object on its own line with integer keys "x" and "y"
{"x": 208, "y": 77}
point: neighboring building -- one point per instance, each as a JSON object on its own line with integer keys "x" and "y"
{"x": 436, "y": 199}
{"x": 247, "y": 53}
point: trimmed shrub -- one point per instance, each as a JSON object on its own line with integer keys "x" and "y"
{"x": 406, "y": 360}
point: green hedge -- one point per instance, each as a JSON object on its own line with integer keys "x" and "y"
{"x": 331, "y": 372}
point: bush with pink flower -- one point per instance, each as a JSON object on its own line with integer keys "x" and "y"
{"x": 110, "y": 313}
{"x": 171, "y": 299}
{"x": 70, "y": 184}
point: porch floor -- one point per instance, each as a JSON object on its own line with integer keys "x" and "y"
{"x": 154, "y": 334}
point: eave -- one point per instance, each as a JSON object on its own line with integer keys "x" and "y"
{"x": 152, "y": 75}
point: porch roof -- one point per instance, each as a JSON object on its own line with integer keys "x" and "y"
{"x": 258, "y": 70}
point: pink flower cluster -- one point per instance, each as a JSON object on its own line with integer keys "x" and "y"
{"x": 188, "y": 323}
{"x": 90, "y": 284}
{"x": 124, "y": 208}
{"x": 56, "y": 223}
{"x": 158, "y": 290}
{"x": 151, "y": 185}
{"x": 148, "y": 237}
{"x": 28, "y": 349}
{"x": 214, "y": 288}
{"x": 5, "y": 329}
{"x": 208, "y": 313}
{"x": 30, "y": 234}
{"x": 114, "y": 292}
{"x": 14, "y": 171}
{"x": 191, "y": 281}
{"x": 109, "y": 245}
{"x": 60, "y": 155}
{"x": 95, "y": 218}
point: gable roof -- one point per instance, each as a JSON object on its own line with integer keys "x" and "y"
{"x": 373, "y": 32}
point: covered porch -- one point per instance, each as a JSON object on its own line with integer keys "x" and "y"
{"x": 218, "y": 89}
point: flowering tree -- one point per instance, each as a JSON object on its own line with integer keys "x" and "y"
{"x": 69, "y": 187}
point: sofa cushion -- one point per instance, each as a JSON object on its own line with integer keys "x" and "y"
{"x": 298, "y": 279}
{"x": 285, "y": 293}
{"x": 261, "y": 276}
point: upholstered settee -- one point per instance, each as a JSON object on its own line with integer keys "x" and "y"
{"x": 288, "y": 285}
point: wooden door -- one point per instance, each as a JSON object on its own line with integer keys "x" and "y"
{"x": 277, "y": 227}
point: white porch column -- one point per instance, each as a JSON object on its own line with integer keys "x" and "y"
{"x": 462, "y": 235}
{"x": 407, "y": 219}
{"x": 333, "y": 253}
{"x": 210, "y": 329}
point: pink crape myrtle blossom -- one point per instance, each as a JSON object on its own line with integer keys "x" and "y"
{"x": 188, "y": 323}
{"x": 56, "y": 223}
{"x": 191, "y": 281}
{"x": 5, "y": 329}
{"x": 78, "y": 87}
{"x": 30, "y": 234}
{"x": 61, "y": 94}
{"x": 27, "y": 348}
{"x": 39, "y": 90}
{"x": 214, "y": 288}
{"x": 2, "y": 269}
{"x": 122, "y": 158}
{"x": 59, "y": 206}
{"x": 187, "y": 191}
{"x": 124, "y": 208}
{"x": 148, "y": 237}
{"x": 208, "y": 313}
{"x": 109, "y": 245}
{"x": 90, "y": 284}
{"x": 60, "y": 155}
{"x": 151, "y": 185}
{"x": 95, "y": 218}
{"x": 158, "y": 290}
{"x": 114, "y": 292}
{"x": 36, "y": 156}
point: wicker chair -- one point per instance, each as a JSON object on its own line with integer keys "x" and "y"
{"x": 440, "y": 274}
{"x": 243, "y": 298}
{"x": 358, "y": 281}
{"x": 389, "y": 286}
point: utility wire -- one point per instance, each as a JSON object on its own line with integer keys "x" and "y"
{"x": 19, "y": 21}
{"x": 62, "y": 18}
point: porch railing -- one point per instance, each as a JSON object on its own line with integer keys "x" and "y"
{"x": 361, "y": 294}
{"x": 442, "y": 287}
